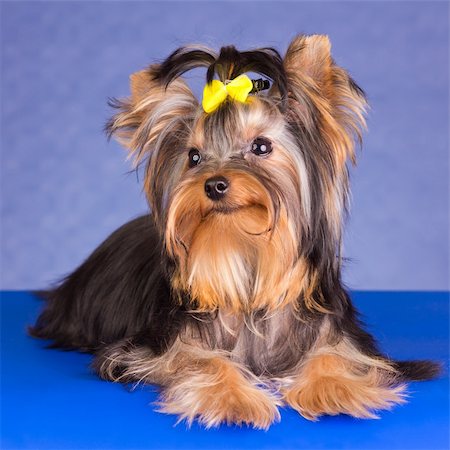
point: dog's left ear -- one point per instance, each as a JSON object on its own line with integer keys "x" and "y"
{"x": 323, "y": 94}
{"x": 154, "y": 112}
{"x": 153, "y": 124}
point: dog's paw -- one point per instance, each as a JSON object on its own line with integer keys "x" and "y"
{"x": 230, "y": 400}
{"x": 332, "y": 395}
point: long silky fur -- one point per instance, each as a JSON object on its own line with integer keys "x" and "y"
{"x": 122, "y": 291}
{"x": 119, "y": 291}
{"x": 136, "y": 302}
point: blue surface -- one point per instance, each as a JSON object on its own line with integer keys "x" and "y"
{"x": 50, "y": 399}
{"x": 64, "y": 188}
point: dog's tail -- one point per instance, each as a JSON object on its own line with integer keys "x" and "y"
{"x": 418, "y": 370}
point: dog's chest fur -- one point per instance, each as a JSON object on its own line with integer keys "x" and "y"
{"x": 270, "y": 345}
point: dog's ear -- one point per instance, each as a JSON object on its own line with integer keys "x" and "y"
{"x": 153, "y": 111}
{"x": 140, "y": 85}
{"x": 311, "y": 56}
{"x": 323, "y": 94}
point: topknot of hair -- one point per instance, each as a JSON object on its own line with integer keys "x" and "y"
{"x": 227, "y": 65}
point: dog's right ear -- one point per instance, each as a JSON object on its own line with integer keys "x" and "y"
{"x": 324, "y": 95}
{"x": 153, "y": 111}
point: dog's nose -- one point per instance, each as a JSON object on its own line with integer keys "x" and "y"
{"x": 216, "y": 187}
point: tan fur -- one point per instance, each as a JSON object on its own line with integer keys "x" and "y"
{"x": 341, "y": 380}
{"x": 214, "y": 266}
{"x": 211, "y": 386}
{"x": 198, "y": 384}
{"x": 217, "y": 392}
{"x": 310, "y": 66}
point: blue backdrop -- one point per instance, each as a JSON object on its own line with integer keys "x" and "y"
{"x": 64, "y": 188}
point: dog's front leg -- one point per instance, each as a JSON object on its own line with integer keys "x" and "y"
{"x": 196, "y": 383}
{"x": 340, "y": 379}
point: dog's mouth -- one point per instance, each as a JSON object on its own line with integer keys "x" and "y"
{"x": 221, "y": 210}
{"x": 226, "y": 210}
{"x": 251, "y": 216}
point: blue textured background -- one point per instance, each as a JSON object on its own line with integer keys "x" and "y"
{"x": 64, "y": 188}
{"x": 61, "y": 405}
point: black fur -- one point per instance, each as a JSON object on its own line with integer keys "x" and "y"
{"x": 118, "y": 292}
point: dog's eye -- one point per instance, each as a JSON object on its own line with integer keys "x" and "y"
{"x": 261, "y": 146}
{"x": 194, "y": 157}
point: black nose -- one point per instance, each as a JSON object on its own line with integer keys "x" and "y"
{"x": 216, "y": 187}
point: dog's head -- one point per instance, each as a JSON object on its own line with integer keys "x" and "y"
{"x": 249, "y": 196}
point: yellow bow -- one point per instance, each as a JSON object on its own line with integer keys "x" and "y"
{"x": 216, "y": 92}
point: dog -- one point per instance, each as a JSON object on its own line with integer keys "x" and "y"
{"x": 228, "y": 294}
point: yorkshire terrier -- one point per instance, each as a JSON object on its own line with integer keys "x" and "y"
{"x": 228, "y": 294}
